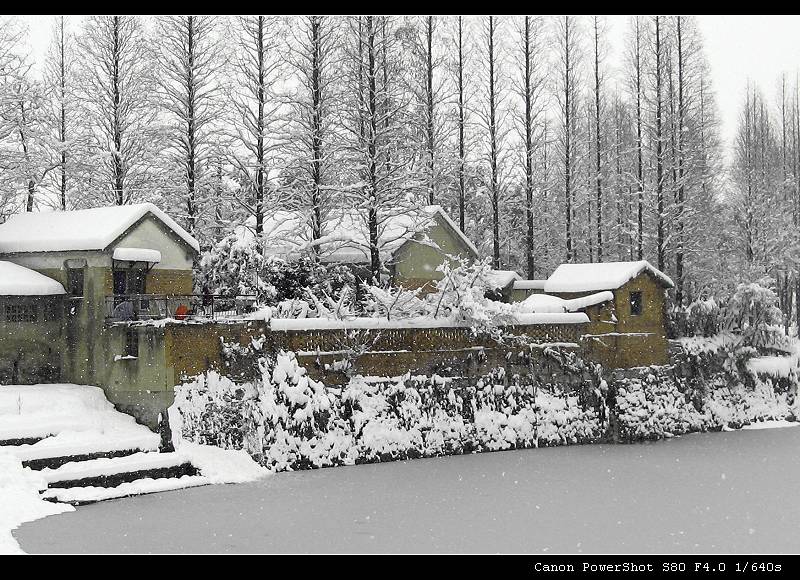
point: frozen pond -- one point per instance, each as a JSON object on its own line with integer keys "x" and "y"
{"x": 712, "y": 492}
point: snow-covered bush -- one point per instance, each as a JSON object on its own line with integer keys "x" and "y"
{"x": 393, "y": 303}
{"x": 651, "y": 406}
{"x": 236, "y": 266}
{"x": 286, "y": 420}
{"x": 461, "y": 296}
{"x": 703, "y": 317}
{"x": 232, "y": 266}
{"x": 752, "y": 312}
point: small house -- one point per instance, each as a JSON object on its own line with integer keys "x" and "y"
{"x": 629, "y": 331}
{"x": 67, "y": 278}
{"x": 31, "y": 307}
{"x": 412, "y": 243}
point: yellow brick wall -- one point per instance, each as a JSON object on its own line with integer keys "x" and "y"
{"x": 642, "y": 339}
{"x": 169, "y": 282}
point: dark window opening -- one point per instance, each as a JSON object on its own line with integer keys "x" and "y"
{"x": 75, "y": 281}
{"x": 131, "y": 342}
{"x": 20, "y": 312}
{"x": 129, "y": 281}
{"x": 636, "y": 303}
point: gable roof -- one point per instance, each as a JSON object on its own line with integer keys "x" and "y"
{"x": 16, "y": 280}
{"x": 344, "y": 233}
{"x": 85, "y": 229}
{"x": 600, "y": 276}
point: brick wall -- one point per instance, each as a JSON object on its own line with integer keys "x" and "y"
{"x": 169, "y": 282}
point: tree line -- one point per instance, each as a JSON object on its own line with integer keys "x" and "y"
{"x": 541, "y": 148}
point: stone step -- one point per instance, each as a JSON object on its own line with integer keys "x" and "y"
{"x": 59, "y": 460}
{"x": 53, "y": 452}
{"x": 85, "y": 495}
{"x": 20, "y": 441}
{"x": 111, "y": 472}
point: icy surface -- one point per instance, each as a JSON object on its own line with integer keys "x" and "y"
{"x": 86, "y": 229}
{"x": 599, "y": 276}
{"x": 16, "y": 280}
{"x": 701, "y": 493}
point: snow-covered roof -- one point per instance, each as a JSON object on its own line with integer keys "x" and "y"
{"x": 137, "y": 255}
{"x": 344, "y": 233}
{"x": 529, "y": 284}
{"x": 16, "y": 280}
{"x": 544, "y": 303}
{"x": 85, "y": 229}
{"x": 600, "y": 276}
{"x": 500, "y": 279}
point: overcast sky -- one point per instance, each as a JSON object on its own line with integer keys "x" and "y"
{"x": 739, "y": 48}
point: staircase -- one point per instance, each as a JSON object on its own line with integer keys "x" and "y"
{"x": 86, "y": 457}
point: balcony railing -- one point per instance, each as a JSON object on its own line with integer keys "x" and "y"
{"x": 126, "y": 307}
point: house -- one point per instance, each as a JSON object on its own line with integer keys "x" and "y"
{"x": 67, "y": 276}
{"x": 630, "y": 330}
{"x": 412, "y": 243}
{"x": 31, "y": 306}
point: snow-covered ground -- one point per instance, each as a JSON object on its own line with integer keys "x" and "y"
{"x": 729, "y": 492}
{"x": 78, "y": 420}
{"x": 20, "y": 501}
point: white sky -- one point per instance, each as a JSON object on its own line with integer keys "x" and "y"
{"x": 758, "y": 48}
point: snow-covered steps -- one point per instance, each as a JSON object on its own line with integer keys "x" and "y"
{"x": 111, "y": 472}
{"x": 17, "y": 441}
{"x": 54, "y": 452}
{"x": 84, "y": 495}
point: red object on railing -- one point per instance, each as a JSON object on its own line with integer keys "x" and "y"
{"x": 181, "y": 312}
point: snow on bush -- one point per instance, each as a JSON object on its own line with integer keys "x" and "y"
{"x": 234, "y": 265}
{"x": 652, "y": 407}
{"x": 286, "y": 420}
{"x": 710, "y": 387}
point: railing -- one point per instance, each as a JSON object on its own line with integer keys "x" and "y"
{"x": 125, "y": 307}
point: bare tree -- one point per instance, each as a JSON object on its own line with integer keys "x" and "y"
{"x": 637, "y": 60}
{"x": 257, "y": 107}
{"x": 492, "y": 117}
{"x": 116, "y": 93}
{"x": 315, "y": 58}
{"x": 530, "y": 88}
{"x": 190, "y": 57}
{"x": 598, "y": 38}
{"x": 567, "y": 96}
{"x": 59, "y": 81}
{"x": 377, "y": 138}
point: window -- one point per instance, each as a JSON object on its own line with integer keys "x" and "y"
{"x": 131, "y": 342}
{"x": 75, "y": 281}
{"x": 636, "y": 303}
{"x": 20, "y": 312}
